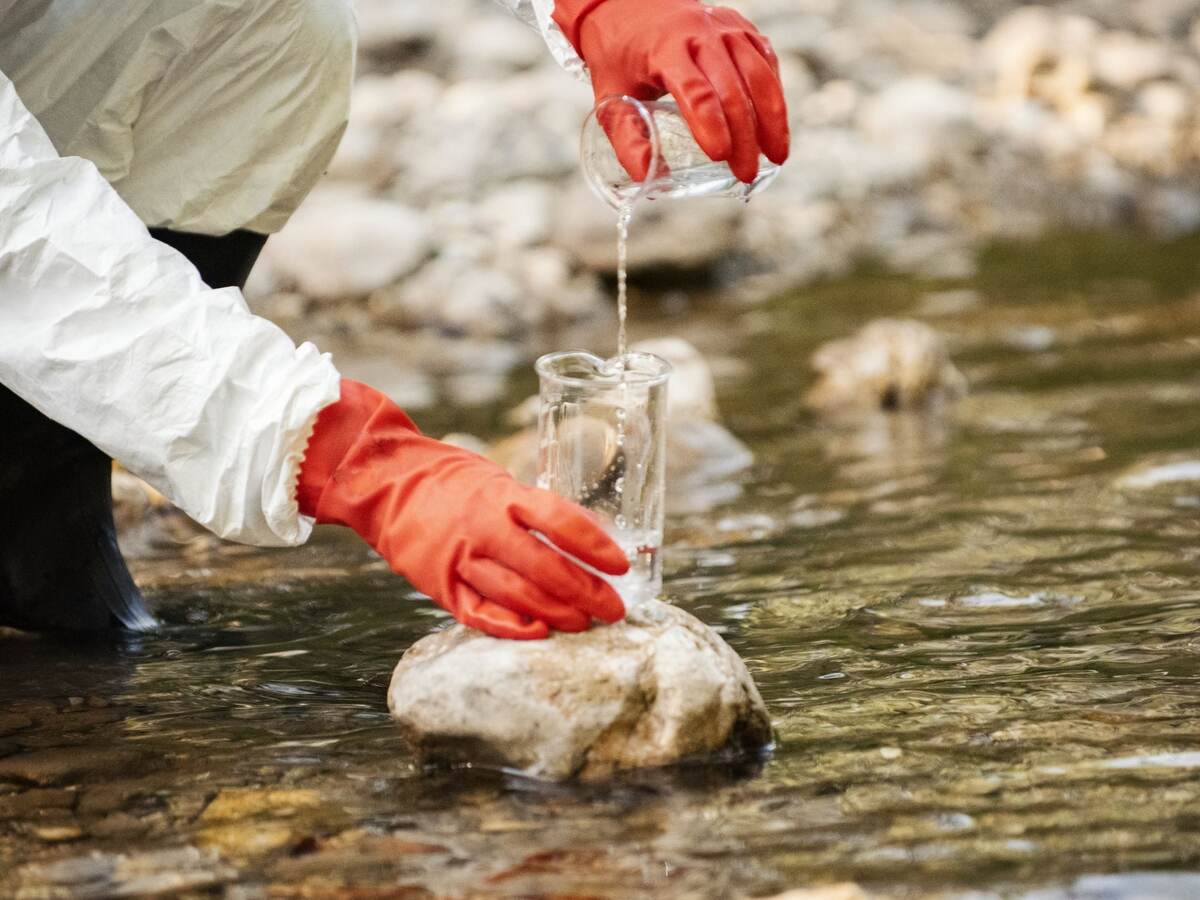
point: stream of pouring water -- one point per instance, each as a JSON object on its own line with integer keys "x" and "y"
{"x": 624, "y": 217}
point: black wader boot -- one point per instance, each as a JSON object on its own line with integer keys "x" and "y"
{"x": 60, "y": 568}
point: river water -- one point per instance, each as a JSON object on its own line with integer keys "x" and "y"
{"x": 978, "y": 635}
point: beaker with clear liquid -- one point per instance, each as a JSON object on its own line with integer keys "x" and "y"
{"x": 602, "y": 444}
{"x": 677, "y": 168}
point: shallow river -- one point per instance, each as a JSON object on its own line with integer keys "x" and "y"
{"x": 978, "y": 635}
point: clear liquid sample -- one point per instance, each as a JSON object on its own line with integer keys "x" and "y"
{"x": 624, "y": 217}
{"x": 642, "y": 548}
{"x": 643, "y": 581}
{"x": 711, "y": 180}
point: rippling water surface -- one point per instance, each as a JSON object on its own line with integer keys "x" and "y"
{"x": 978, "y": 634}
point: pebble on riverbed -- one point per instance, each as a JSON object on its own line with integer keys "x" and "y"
{"x": 889, "y": 364}
{"x": 657, "y": 689}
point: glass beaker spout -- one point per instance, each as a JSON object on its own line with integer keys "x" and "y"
{"x": 660, "y": 158}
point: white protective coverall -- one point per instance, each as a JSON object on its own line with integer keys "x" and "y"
{"x": 201, "y": 116}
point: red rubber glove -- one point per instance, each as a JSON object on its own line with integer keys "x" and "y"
{"x": 456, "y": 525}
{"x": 711, "y": 59}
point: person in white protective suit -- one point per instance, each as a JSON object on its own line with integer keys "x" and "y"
{"x": 147, "y": 149}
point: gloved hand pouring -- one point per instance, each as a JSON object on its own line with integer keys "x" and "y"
{"x": 208, "y": 123}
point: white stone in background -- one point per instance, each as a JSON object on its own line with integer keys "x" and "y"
{"x": 703, "y": 460}
{"x": 795, "y": 31}
{"x": 384, "y": 25}
{"x": 834, "y": 103}
{"x": 801, "y": 234}
{"x": 664, "y": 234}
{"x": 917, "y": 119}
{"x": 1166, "y": 101}
{"x": 449, "y": 293}
{"x": 342, "y": 245}
{"x": 381, "y": 106}
{"x": 493, "y": 46}
{"x": 485, "y": 132}
{"x": 656, "y": 689}
{"x": 474, "y": 389}
{"x": 518, "y": 214}
{"x": 361, "y": 156}
{"x": 691, "y": 392}
{"x": 1031, "y": 40}
{"x": 930, "y": 37}
{"x": 1142, "y": 143}
{"x": 703, "y": 457}
{"x": 888, "y": 364}
{"x": 392, "y": 100}
{"x": 545, "y": 271}
{"x": 1125, "y": 60}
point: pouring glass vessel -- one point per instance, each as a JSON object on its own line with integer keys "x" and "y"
{"x": 677, "y": 167}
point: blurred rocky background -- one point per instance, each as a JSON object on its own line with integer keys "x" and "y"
{"x": 922, "y": 128}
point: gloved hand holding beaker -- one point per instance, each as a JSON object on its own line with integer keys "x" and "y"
{"x": 459, "y": 527}
{"x": 715, "y": 63}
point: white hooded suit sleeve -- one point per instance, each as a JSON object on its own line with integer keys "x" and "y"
{"x": 114, "y": 335}
{"x": 538, "y": 13}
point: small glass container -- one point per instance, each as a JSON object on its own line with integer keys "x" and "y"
{"x": 678, "y": 168}
{"x": 602, "y": 444}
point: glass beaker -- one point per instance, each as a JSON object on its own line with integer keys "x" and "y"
{"x": 602, "y": 444}
{"x": 678, "y": 168}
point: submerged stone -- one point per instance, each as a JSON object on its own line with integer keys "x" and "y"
{"x": 69, "y": 764}
{"x": 890, "y": 364}
{"x": 154, "y": 873}
{"x": 659, "y": 688}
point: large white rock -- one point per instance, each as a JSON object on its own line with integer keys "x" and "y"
{"x": 341, "y": 245}
{"x": 656, "y": 689}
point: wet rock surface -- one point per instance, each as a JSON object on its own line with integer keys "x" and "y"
{"x": 656, "y": 689}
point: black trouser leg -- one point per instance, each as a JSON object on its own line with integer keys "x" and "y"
{"x": 222, "y": 261}
{"x": 60, "y": 567}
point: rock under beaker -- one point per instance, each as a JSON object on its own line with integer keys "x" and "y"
{"x": 602, "y": 444}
